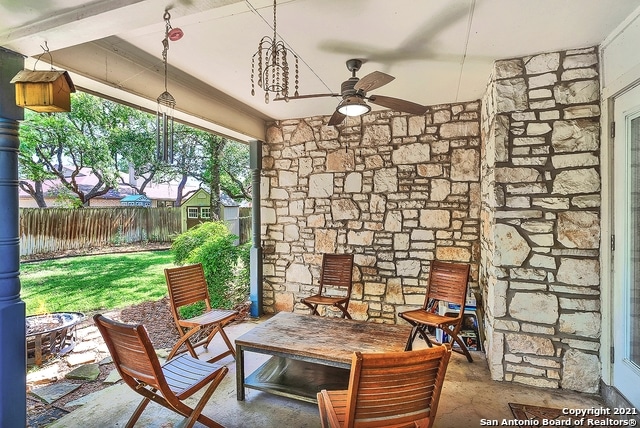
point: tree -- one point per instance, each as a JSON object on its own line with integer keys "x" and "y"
{"x": 214, "y": 145}
{"x": 199, "y": 156}
{"x": 98, "y": 135}
{"x": 189, "y": 158}
{"x": 32, "y": 174}
{"x": 109, "y": 139}
{"x": 133, "y": 147}
{"x": 62, "y": 145}
{"x": 235, "y": 178}
{"x": 220, "y": 163}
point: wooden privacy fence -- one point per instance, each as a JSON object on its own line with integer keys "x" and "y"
{"x": 245, "y": 229}
{"x": 245, "y": 224}
{"x": 44, "y": 230}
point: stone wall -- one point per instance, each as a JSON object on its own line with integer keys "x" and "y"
{"x": 541, "y": 220}
{"x": 396, "y": 190}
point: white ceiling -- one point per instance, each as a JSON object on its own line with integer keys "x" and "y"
{"x": 439, "y": 51}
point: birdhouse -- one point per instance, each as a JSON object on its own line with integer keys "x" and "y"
{"x": 44, "y": 91}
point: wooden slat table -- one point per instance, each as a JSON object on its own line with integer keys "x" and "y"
{"x": 310, "y": 353}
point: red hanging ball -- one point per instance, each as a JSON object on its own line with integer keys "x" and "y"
{"x": 175, "y": 34}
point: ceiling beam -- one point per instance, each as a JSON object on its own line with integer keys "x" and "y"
{"x": 115, "y": 66}
{"x": 95, "y": 20}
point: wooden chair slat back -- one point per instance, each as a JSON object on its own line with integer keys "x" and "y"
{"x": 448, "y": 282}
{"x": 132, "y": 353}
{"x": 187, "y": 285}
{"x": 396, "y": 388}
{"x": 336, "y": 270}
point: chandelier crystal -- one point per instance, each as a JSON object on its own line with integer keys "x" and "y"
{"x": 273, "y": 66}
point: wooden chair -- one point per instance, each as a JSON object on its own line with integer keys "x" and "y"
{"x": 187, "y": 285}
{"x": 448, "y": 282}
{"x": 336, "y": 272}
{"x": 167, "y": 385}
{"x": 397, "y": 389}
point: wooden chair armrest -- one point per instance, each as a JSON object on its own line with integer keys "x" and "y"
{"x": 328, "y": 413}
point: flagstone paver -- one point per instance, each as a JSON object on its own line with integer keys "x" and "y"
{"x": 86, "y": 398}
{"x": 54, "y": 391}
{"x": 86, "y": 372}
{"x": 113, "y": 377}
{"x": 76, "y": 359}
{"x": 106, "y": 360}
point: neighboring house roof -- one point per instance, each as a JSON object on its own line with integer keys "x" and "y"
{"x": 225, "y": 200}
{"x": 136, "y": 201}
{"x": 134, "y": 198}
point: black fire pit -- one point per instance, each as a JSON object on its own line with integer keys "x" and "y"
{"x": 49, "y": 335}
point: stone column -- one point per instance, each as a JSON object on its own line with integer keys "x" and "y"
{"x": 256, "y": 248}
{"x": 541, "y": 222}
{"x": 13, "y": 361}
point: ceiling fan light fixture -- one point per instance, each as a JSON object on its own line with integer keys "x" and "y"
{"x": 353, "y": 106}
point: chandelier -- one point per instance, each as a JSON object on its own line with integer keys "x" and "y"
{"x": 166, "y": 102}
{"x": 273, "y": 66}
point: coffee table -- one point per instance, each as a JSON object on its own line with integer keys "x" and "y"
{"x": 310, "y": 353}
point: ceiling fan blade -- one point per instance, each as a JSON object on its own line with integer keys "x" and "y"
{"x": 415, "y": 47}
{"x": 398, "y": 104}
{"x": 373, "y": 81}
{"x": 300, "y": 97}
{"x": 336, "y": 118}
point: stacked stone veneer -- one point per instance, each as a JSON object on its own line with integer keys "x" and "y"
{"x": 541, "y": 220}
{"x": 398, "y": 191}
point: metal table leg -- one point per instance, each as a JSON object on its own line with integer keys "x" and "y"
{"x": 239, "y": 373}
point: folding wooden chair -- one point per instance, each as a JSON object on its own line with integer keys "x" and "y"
{"x": 448, "y": 282}
{"x": 397, "y": 389}
{"x": 336, "y": 272}
{"x": 167, "y": 385}
{"x": 187, "y": 285}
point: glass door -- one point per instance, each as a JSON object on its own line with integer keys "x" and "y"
{"x": 626, "y": 264}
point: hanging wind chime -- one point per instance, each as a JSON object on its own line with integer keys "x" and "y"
{"x": 166, "y": 101}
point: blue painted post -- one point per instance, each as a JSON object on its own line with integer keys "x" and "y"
{"x": 13, "y": 358}
{"x": 255, "y": 154}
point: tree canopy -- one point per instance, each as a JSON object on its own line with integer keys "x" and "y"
{"x": 107, "y": 139}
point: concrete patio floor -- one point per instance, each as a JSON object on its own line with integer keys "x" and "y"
{"x": 469, "y": 397}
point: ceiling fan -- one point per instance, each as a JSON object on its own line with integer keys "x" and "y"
{"x": 354, "y": 95}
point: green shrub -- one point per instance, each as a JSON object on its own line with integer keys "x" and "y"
{"x": 238, "y": 289}
{"x": 219, "y": 258}
{"x": 225, "y": 265}
{"x": 193, "y": 238}
{"x": 245, "y": 258}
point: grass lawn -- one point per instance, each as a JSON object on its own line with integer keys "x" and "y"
{"x": 91, "y": 283}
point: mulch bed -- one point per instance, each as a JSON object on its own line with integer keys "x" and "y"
{"x": 125, "y": 248}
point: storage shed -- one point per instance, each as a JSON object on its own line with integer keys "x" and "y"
{"x": 196, "y": 210}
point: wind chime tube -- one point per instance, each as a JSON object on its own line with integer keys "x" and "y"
{"x": 170, "y": 143}
{"x": 165, "y": 138}
{"x": 164, "y": 125}
{"x": 158, "y": 136}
